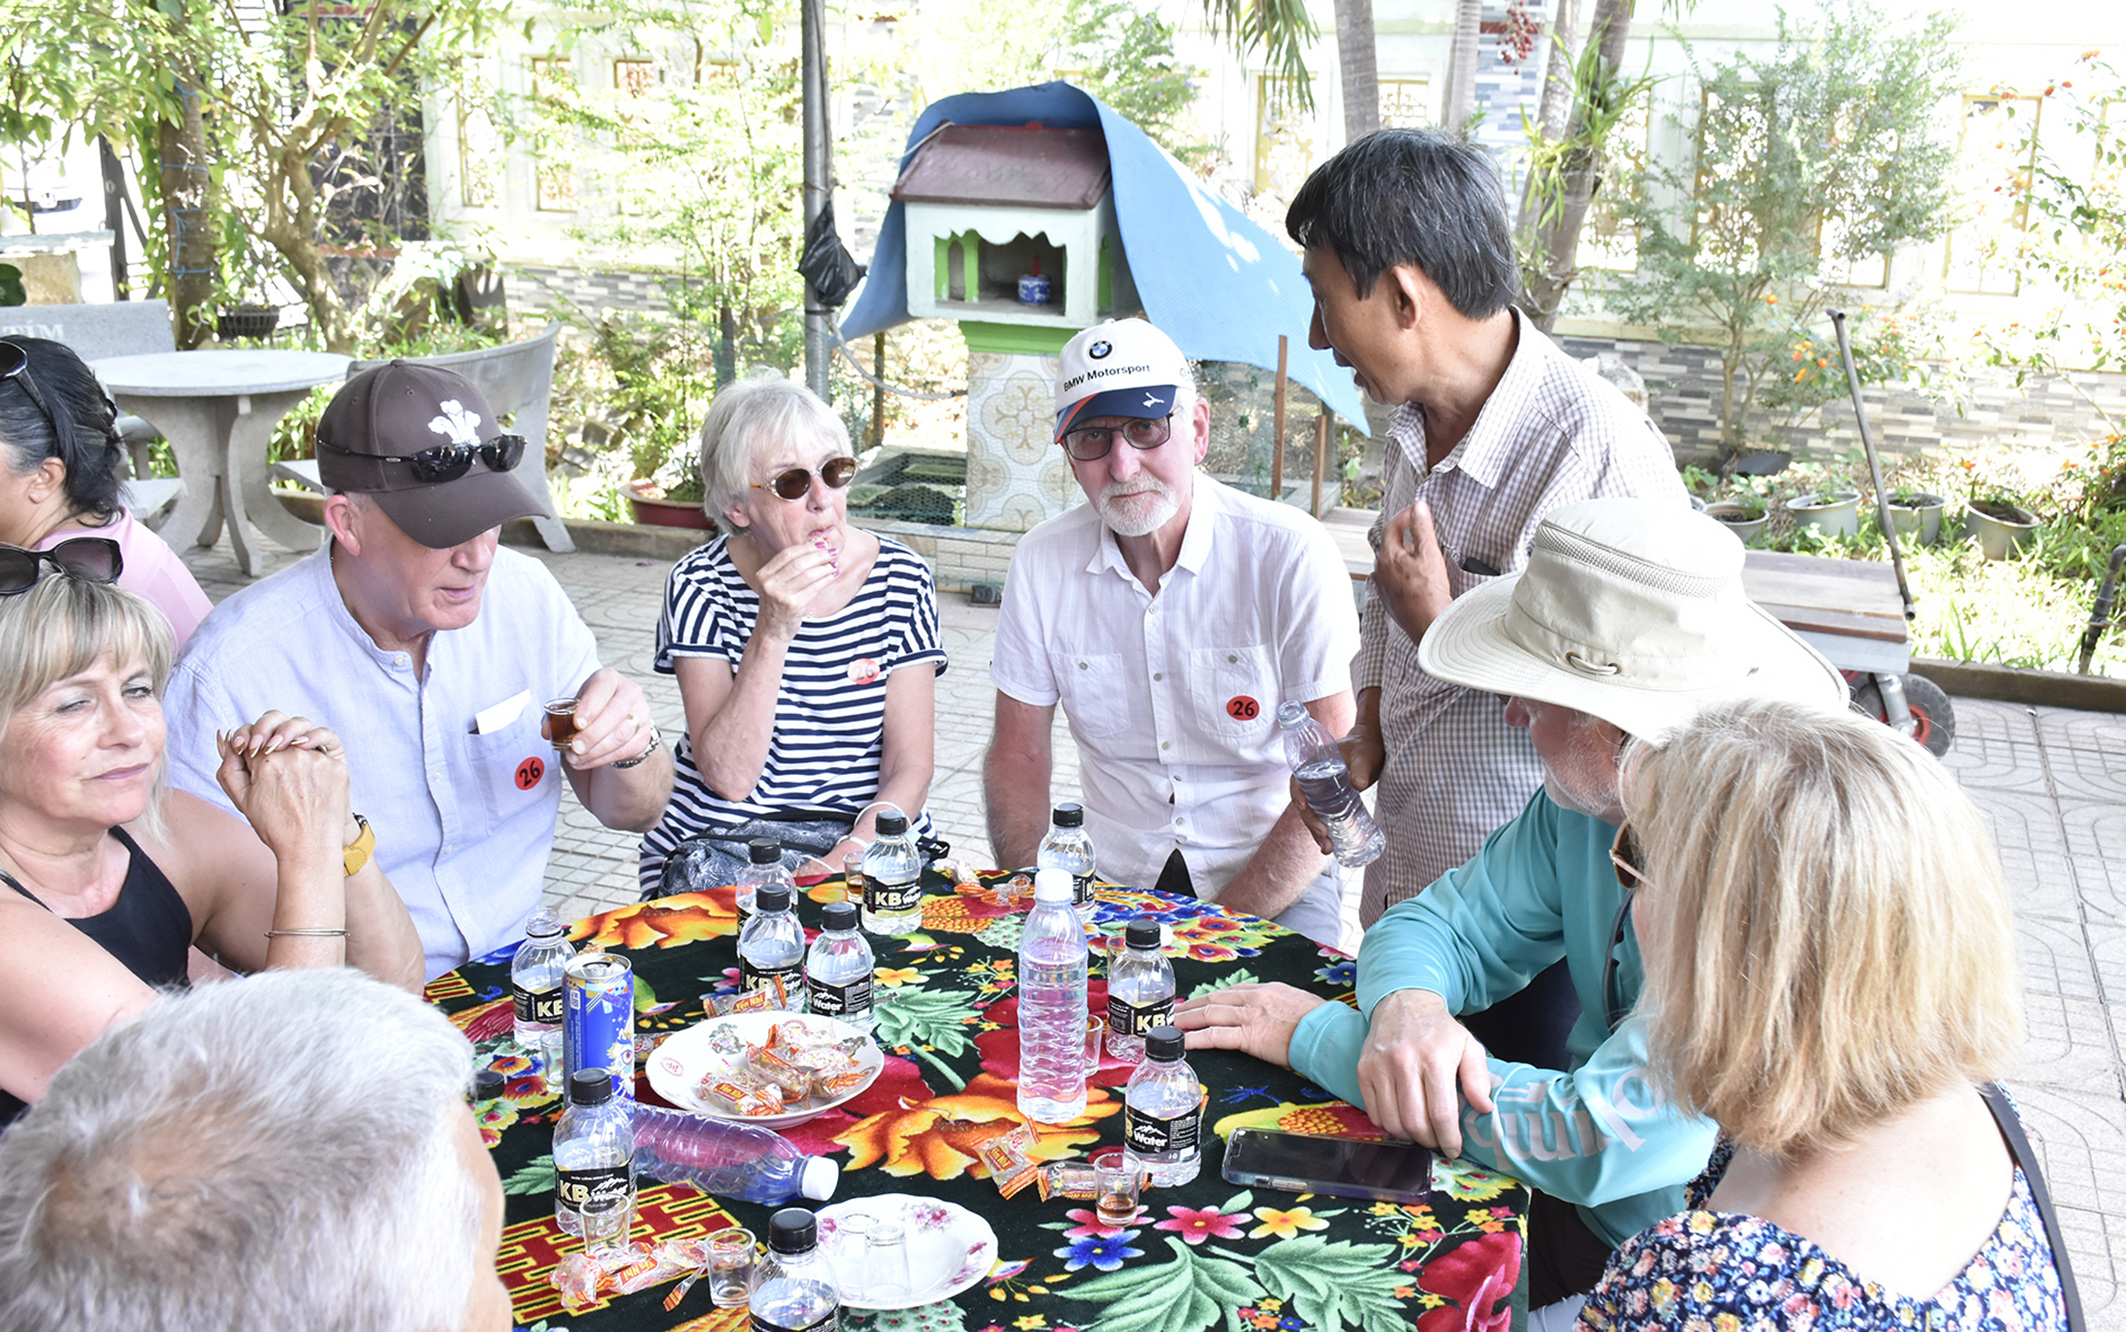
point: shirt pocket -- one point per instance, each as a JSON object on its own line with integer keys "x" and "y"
{"x": 515, "y": 765}
{"x": 1235, "y": 691}
{"x": 1095, "y": 692}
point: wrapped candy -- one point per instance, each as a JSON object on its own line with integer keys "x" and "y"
{"x": 1069, "y": 1179}
{"x": 794, "y": 1081}
{"x": 577, "y": 1277}
{"x": 741, "y": 1094}
{"x": 1009, "y": 1159}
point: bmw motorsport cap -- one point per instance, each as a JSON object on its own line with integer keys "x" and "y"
{"x": 1124, "y": 367}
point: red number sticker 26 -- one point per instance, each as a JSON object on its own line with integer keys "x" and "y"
{"x": 1242, "y": 708}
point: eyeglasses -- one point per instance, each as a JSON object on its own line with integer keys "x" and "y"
{"x": 1631, "y": 878}
{"x": 1091, "y": 443}
{"x": 448, "y": 462}
{"x": 15, "y": 365}
{"x": 796, "y": 483}
{"x": 91, "y": 559}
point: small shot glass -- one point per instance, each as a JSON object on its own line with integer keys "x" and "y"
{"x": 853, "y": 876}
{"x": 560, "y": 723}
{"x": 1120, "y": 1184}
{"x": 886, "y": 1279}
{"x": 845, "y": 1251}
{"x": 1095, "y": 1042}
{"x": 732, "y": 1256}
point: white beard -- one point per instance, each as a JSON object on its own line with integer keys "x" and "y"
{"x": 1147, "y": 506}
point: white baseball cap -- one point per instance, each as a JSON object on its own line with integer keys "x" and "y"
{"x": 1124, "y": 367}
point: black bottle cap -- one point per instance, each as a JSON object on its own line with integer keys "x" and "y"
{"x": 771, "y": 897}
{"x": 1068, "y": 815}
{"x": 792, "y": 1230}
{"x": 764, "y": 851}
{"x": 892, "y": 825}
{"x": 1163, "y": 1044}
{"x": 1143, "y": 932}
{"x": 590, "y": 1086}
{"x": 486, "y": 1084}
{"x": 838, "y": 916}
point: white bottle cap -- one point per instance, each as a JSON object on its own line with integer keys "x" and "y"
{"x": 818, "y": 1178}
{"x": 1051, "y": 885}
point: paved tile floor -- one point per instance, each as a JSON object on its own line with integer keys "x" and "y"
{"x": 2052, "y": 781}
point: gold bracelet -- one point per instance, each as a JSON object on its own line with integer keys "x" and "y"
{"x": 308, "y": 934}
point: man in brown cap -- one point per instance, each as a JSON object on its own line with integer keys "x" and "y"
{"x": 430, "y": 649}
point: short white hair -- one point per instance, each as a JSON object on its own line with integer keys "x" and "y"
{"x": 275, "y": 1152}
{"x": 761, "y": 410}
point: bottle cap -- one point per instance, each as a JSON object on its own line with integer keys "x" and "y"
{"x": 1163, "y": 1044}
{"x": 590, "y": 1086}
{"x": 817, "y": 1178}
{"x": 486, "y": 1084}
{"x": 764, "y": 851}
{"x": 1291, "y": 715}
{"x": 770, "y": 897}
{"x": 838, "y": 916}
{"x": 1143, "y": 932}
{"x": 892, "y": 825}
{"x": 792, "y": 1230}
{"x": 544, "y": 924}
{"x": 1068, "y": 815}
{"x": 1051, "y": 885}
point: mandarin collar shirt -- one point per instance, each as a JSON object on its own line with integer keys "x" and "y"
{"x": 449, "y": 768}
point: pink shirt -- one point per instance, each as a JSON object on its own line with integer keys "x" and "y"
{"x": 153, "y": 570}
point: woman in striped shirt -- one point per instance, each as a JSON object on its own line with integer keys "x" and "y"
{"x": 807, "y": 650}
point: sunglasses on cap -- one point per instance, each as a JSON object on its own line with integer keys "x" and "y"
{"x": 1091, "y": 443}
{"x": 796, "y": 483}
{"x": 91, "y": 559}
{"x": 448, "y": 462}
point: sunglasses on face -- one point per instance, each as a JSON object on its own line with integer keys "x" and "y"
{"x": 15, "y": 365}
{"x": 796, "y": 483}
{"x": 1091, "y": 443}
{"x": 448, "y": 462}
{"x": 91, "y": 559}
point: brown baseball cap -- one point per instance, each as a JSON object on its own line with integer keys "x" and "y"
{"x": 423, "y": 441}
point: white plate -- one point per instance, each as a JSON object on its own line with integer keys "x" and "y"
{"x": 678, "y": 1066}
{"x": 949, "y": 1247}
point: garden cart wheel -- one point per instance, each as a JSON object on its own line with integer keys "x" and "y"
{"x": 1933, "y": 717}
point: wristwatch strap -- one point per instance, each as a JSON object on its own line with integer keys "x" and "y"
{"x": 361, "y": 848}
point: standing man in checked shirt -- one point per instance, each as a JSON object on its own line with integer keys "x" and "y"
{"x": 1412, "y": 265}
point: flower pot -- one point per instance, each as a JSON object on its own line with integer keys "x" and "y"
{"x": 648, "y": 506}
{"x": 2002, "y": 532}
{"x": 1839, "y": 518}
{"x": 1920, "y": 519}
{"x": 1730, "y": 515}
{"x": 247, "y": 321}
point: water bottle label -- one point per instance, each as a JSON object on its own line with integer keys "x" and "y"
{"x": 891, "y": 899}
{"x": 544, "y": 1007}
{"x": 596, "y": 1190}
{"x": 1081, "y": 889}
{"x": 847, "y": 999}
{"x": 1127, "y": 1019}
{"x": 829, "y": 1322}
{"x": 1149, "y": 1133}
{"x": 753, "y": 977}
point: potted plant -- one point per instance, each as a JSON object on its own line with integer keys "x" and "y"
{"x": 678, "y": 506}
{"x": 1917, "y": 514}
{"x": 1745, "y": 515}
{"x": 2000, "y": 522}
{"x": 1832, "y": 510}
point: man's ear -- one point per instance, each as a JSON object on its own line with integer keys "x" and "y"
{"x": 343, "y": 518}
{"x": 1409, "y": 294}
{"x": 1200, "y": 427}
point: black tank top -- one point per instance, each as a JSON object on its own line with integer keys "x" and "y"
{"x": 148, "y": 928}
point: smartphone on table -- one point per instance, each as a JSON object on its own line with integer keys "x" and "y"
{"x": 1398, "y": 1172}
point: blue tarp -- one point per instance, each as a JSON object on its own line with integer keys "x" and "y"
{"x": 1218, "y": 285}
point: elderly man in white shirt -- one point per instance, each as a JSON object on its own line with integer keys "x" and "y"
{"x": 1169, "y": 615}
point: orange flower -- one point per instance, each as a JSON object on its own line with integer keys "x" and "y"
{"x": 685, "y": 918}
{"x": 938, "y": 1138}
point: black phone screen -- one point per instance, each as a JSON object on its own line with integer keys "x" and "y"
{"x": 1309, "y": 1163}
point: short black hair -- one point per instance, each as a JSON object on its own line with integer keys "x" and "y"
{"x": 1413, "y": 196}
{"x": 92, "y": 451}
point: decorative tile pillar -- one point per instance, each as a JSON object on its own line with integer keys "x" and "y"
{"x": 1016, "y": 475}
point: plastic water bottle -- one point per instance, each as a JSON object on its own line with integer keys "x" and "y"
{"x": 795, "y": 1290}
{"x": 1162, "y": 1111}
{"x": 1053, "y": 959}
{"x": 728, "y": 1160}
{"x": 535, "y": 984}
{"x": 1069, "y": 848}
{"x": 1140, "y": 991}
{"x": 765, "y": 855}
{"x": 772, "y": 945}
{"x": 893, "y": 879}
{"x": 594, "y": 1152}
{"x": 838, "y": 969}
{"x": 1325, "y": 781}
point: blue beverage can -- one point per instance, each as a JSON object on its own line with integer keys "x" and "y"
{"x": 598, "y": 1021}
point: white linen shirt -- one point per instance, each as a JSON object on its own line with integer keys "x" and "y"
{"x": 463, "y": 821}
{"x": 1172, "y": 699}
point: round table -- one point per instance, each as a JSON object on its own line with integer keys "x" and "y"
{"x": 218, "y": 410}
{"x": 1204, "y": 1257}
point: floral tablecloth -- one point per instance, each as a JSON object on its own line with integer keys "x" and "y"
{"x": 1205, "y": 1257}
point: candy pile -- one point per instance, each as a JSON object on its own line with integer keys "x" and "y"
{"x": 802, "y": 1065}
{"x": 584, "y": 1277}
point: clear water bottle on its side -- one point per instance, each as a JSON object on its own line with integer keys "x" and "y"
{"x": 1053, "y": 960}
{"x": 893, "y": 879}
{"x": 1325, "y": 781}
{"x": 766, "y": 867}
{"x": 772, "y": 946}
{"x": 838, "y": 969}
{"x": 1162, "y": 1112}
{"x": 594, "y": 1153}
{"x": 1140, "y": 991}
{"x": 795, "y": 1290}
{"x": 1068, "y": 847}
{"x": 728, "y": 1160}
{"x": 535, "y": 985}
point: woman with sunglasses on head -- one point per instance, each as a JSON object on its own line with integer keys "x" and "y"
{"x": 807, "y": 650}
{"x": 59, "y": 458}
{"x": 107, "y": 879}
{"x": 1830, "y": 977}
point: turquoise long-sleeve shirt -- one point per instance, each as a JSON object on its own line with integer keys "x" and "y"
{"x": 1601, "y": 1135}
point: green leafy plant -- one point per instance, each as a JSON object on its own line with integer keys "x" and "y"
{"x": 11, "y": 292}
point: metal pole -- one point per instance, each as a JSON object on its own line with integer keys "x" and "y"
{"x": 818, "y": 172}
{"x": 1867, "y": 444}
{"x": 1277, "y": 424}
